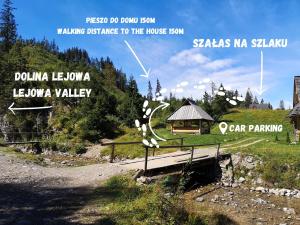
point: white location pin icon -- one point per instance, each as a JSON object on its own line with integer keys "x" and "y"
{"x": 223, "y": 127}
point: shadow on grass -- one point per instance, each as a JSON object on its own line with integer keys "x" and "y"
{"x": 221, "y": 219}
{"x": 37, "y": 204}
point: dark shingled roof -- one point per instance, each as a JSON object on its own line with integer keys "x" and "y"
{"x": 295, "y": 111}
{"x": 297, "y": 79}
{"x": 259, "y": 106}
{"x": 190, "y": 111}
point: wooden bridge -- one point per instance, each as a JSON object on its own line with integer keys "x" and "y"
{"x": 198, "y": 155}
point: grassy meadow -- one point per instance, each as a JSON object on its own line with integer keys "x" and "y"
{"x": 269, "y": 143}
{"x": 280, "y": 155}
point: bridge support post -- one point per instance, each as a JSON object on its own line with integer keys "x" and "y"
{"x": 112, "y": 155}
{"x": 181, "y": 143}
{"x": 218, "y": 152}
{"x": 146, "y": 158}
{"x": 192, "y": 154}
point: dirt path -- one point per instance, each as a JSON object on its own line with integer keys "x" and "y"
{"x": 32, "y": 194}
{"x": 237, "y": 142}
{"x": 244, "y": 145}
{"x": 94, "y": 151}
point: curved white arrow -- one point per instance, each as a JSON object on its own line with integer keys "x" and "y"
{"x": 139, "y": 61}
{"x": 27, "y": 108}
{"x": 163, "y": 106}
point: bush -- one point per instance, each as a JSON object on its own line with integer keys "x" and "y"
{"x": 79, "y": 149}
{"x": 132, "y": 204}
{"x": 280, "y": 174}
{"x": 63, "y": 147}
{"x": 170, "y": 183}
{"x": 49, "y": 144}
{"x": 55, "y": 145}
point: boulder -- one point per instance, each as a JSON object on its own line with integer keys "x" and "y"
{"x": 199, "y": 199}
{"x": 143, "y": 180}
{"x": 259, "y": 201}
{"x": 241, "y": 180}
{"x": 261, "y": 189}
{"x": 289, "y": 210}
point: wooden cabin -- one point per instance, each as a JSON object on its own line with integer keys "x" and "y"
{"x": 295, "y": 113}
{"x": 259, "y": 106}
{"x": 190, "y": 118}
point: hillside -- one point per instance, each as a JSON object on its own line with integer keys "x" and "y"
{"x": 256, "y": 117}
{"x": 261, "y": 144}
{"x": 252, "y": 116}
{"x": 114, "y": 99}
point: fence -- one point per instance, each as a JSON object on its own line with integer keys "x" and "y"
{"x": 114, "y": 144}
{"x": 180, "y": 146}
{"x": 24, "y": 137}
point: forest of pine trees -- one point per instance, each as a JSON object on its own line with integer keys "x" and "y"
{"x": 115, "y": 99}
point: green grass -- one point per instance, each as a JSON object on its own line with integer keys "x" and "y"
{"x": 235, "y": 116}
{"x": 134, "y": 150}
{"x": 281, "y": 162}
{"x": 273, "y": 151}
{"x": 122, "y": 202}
{"x": 28, "y": 156}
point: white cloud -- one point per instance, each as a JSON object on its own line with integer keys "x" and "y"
{"x": 192, "y": 66}
{"x": 206, "y": 80}
{"x": 163, "y": 90}
{"x": 188, "y": 57}
{"x": 219, "y": 64}
{"x": 184, "y": 83}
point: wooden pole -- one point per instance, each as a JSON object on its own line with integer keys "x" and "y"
{"x": 112, "y": 156}
{"x": 181, "y": 143}
{"x": 218, "y": 152}
{"x": 146, "y": 158}
{"x": 192, "y": 154}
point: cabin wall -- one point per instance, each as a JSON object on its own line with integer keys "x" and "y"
{"x": 191, "y": 126}
{"x": 296, "y": 125}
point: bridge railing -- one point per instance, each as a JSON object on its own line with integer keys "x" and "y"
{"x": 114, "y": 144}
{"x": 192, "y": 146}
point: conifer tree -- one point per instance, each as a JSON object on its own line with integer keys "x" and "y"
{"x": 149, "y": 95}
{"x": 213, "y": 89}
{"x": 281, "y": 105}
{"x": 219, "y": 105}
{"x": 206, "y": 103}
{"x": 158, "y": 87}
{"x": 8, "y": 27}
{"x": 248, "y": 99}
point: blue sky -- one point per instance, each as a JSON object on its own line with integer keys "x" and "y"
{"x": 173, "y": 59}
